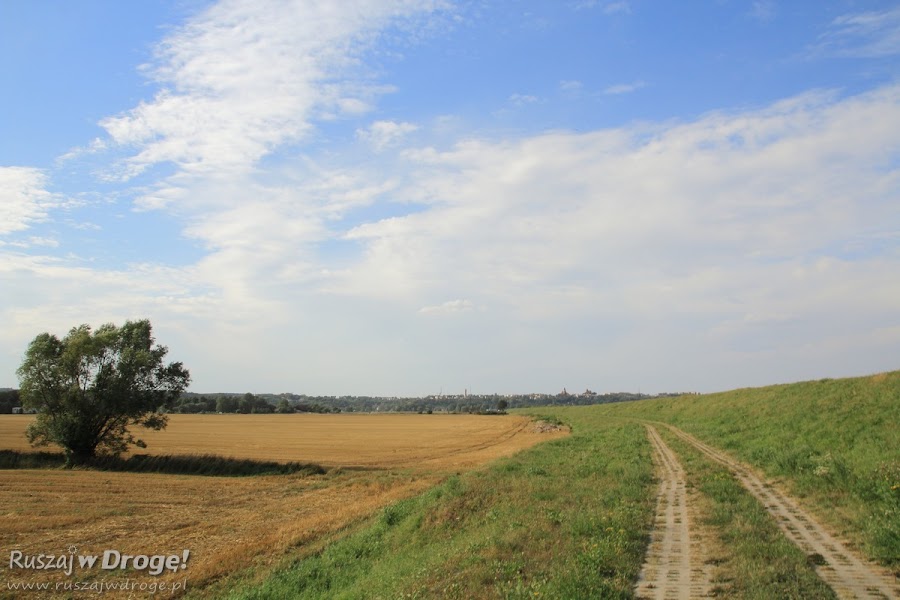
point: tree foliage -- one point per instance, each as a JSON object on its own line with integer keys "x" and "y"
{"x": 9, "y": 399}
{"x": 91, "y": 386}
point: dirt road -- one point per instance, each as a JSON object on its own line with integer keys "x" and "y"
{"x": 674, "y": 566}
{"x": 847, "y": 574}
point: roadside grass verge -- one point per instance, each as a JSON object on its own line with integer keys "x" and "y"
{"x": 834, "y": 442}
{"x": 753, "y": 558}
{"x": 207, "y": 464}
{"x": 565, "y": 519}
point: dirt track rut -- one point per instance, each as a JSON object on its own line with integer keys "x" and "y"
{"x": 847, "y": 574}
{"x": 673, "y": 567}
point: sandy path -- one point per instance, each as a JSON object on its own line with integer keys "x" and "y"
{"x": 673, "y": 567}
{"x": 847, "y": 574}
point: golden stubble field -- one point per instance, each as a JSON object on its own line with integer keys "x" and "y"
{"x": 231, "y": 523}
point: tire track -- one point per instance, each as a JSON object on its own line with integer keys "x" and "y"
{"x": 847, "y": 574}
{"x": 672, "y": 569}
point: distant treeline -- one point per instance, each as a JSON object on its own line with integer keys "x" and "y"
{"x": 467, "y": 403}
{"x": 244, "y": 404}
{"x": 192, "y": 403}
{"x": 9, "y": 399}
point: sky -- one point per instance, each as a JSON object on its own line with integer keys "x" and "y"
{"x": 408, "y": 197}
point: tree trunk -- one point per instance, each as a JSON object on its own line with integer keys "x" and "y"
{"x": 79, "y": 456}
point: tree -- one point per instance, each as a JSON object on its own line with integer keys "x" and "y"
{"x": 227, "y": 404}
{"x": 9, "y": 399}
{"x": 90, "y": 387}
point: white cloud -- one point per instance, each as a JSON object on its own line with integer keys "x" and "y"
{"x": 612, "y": 8}
{"x": 725, "y": 224}
{"x": 32, "y": 242}
{"x": 624, "y": 88}
{"x": 448, "y": 308}
{"x": 736, "y": 243}
{"x": 863, "y": 35}
{"x": 244, "y": 77}
{"x": 43, "y": 241}
{"x": 382, "y": 134}
{"x": 239, "y": 81}
{"x": 519, "y": 100}
{"x": 24, "y": 199}
{"x": 59, "y": 293}
{"x": 609, "y": 8}
{"x": 96, "y": 146}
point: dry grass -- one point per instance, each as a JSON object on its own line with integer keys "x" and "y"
{"x": 232, "y": 523}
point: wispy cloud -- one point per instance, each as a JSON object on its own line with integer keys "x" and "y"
{"x": 523, "y": 99}
{"x": 863, "y": 35}
{"x": 243, "y": 77}
{"x": 634, "y": 225}
{"x": 620, "y": 7}
{"x": 32, "y": 242}
{"x": 96, "y": 146}
{"x": 686, "y": 246}
{"x": 624, "y": 88}
{"x": 608, "y": 7}
{"x": 763, "y": 10}
{"x": 571, "y": 86}
{"x": 382, "y": 134}
{"x": 711, "y": 242}
{"x": 237, "y": 82}
{"x": 24, "y": 199}
{"x": 448, "y": 308}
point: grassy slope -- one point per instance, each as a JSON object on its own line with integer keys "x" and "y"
{"x": 566, "y": 519}
{"x": 570, "y": 518}
{"x": 835, "y": 443}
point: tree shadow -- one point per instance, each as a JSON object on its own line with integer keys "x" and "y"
{"x": 208, "y": 465}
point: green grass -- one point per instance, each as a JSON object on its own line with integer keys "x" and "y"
{"x": 835, "y": 443}
{"x": 570, "y": 518}
{"x": 566, "y": 519}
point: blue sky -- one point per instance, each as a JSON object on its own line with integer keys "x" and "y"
{"x": 398, "y": 197}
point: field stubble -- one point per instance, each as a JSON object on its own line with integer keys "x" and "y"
{"x": 230, "y": 523}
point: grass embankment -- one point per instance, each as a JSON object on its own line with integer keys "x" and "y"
{"x": 834, "y": 443}
{"x": 566, "y": 519}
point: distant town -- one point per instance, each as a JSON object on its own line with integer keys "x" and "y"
{"x": 247, "y": 403}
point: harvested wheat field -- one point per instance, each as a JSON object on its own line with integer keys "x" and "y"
{"x": 349, "y": 440}
{"x": 232, "y": 523}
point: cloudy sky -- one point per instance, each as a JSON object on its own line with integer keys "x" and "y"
{"x": 399, "y": 197}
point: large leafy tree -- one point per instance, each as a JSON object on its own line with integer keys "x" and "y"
{"x": 91, "y": 386}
